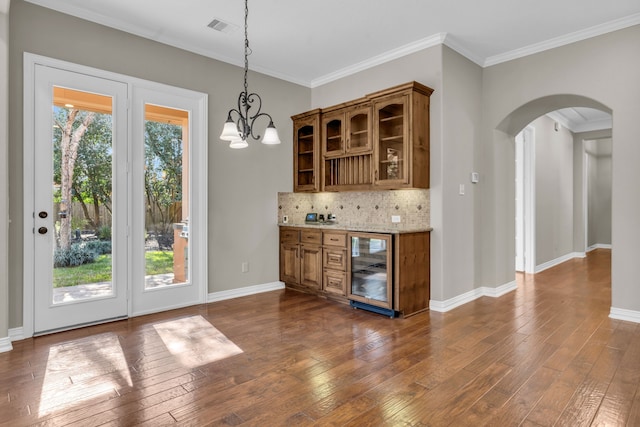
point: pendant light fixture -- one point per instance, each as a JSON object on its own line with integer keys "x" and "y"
{"x": 239, "y": 130}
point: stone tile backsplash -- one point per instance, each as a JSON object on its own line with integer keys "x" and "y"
{"x": 359, "y": 207}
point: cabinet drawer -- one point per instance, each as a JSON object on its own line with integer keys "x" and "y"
{"x": 335, "y": 282}
{"x": 313, "y": 237}
{"x": 289, "y": 235}
{"x": 335, "y": 259}
{"x": 334, "y": 239}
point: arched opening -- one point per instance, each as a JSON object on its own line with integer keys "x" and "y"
{"x": 561, "y": 173}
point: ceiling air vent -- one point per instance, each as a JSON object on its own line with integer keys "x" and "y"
{"x": 222, "y": 26}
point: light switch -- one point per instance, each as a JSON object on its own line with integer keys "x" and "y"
{"x": 461, "y": 190}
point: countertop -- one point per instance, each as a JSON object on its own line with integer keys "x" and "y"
{"x": 369, "y": 228}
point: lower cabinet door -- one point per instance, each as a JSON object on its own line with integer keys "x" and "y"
{"x": 311, "y": 266}
{"x": 289, "y": 263}
{"x": 335, "y": 282}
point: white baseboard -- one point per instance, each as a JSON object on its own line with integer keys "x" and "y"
{"x": 16, "y": 334}
{"x": 623, "y": 314}
{"x": 485, "y": 291}
{"x": 243, "y": 292}
{"x": 5, "y": 344}
{"x": 599, "y": 246}
{"x": 500, "y": 290}
{"x": 559, "y": 260}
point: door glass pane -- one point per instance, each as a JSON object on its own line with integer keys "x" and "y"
{"x": 82, "y": 195}
{"x": 166, "y": 197}
{"x": 369, "y": 268}
{"x": 391, "y": 142}
{"x": 359, "y": 131}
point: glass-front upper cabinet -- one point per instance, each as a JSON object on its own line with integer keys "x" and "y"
{"x": 392, "y": 140}
{"x": 346, "y": 131}
{"x": 333, "y": 134}
{"x": 359, "y": 130}
{"x": 306, "y": 157}
{"x": 371, "y": 275}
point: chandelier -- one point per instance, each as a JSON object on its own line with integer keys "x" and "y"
{"x": 239, "y": 130}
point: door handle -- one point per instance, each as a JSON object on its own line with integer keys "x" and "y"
{"x": 43, "y": 214}
{"x": 42, "y": 230}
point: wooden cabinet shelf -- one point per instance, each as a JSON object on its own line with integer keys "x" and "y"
{"x": 380, "y": 141}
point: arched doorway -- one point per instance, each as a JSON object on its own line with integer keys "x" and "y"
{"x": 559, "y": 177}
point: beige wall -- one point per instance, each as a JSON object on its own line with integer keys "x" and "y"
{"x": 243, "y": 185}
{"x": 579, "y": 242}
{"x": 554, "y": 190}
{"x": 599, "y": 171}
{"x": 603, "y": 69}
{"x": 4, "y": 181}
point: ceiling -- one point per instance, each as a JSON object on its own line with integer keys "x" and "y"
{"x": 579, "y": 119}
{"x": 314, "y": 42}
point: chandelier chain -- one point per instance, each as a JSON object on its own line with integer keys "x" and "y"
{"x": 246, "y": 46}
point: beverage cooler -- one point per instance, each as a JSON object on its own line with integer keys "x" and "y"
{"x": 371, "y": 273}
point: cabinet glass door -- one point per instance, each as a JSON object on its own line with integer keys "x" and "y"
{"x": 305, "y": 167}
{"x": 359, "y": 137}
{"x": 371, "y": 269}
{"x": 333, "y": 135}
{"x": 391, "y": 137}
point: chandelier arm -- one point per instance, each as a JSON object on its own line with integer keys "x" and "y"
{"x": 254, "y": 118}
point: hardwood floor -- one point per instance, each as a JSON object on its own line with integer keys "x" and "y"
{"x": 546, "y": 354}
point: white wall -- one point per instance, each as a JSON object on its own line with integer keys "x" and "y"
{"x": 554, "y": 191}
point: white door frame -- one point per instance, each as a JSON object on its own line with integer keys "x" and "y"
{"x": 198, "y": 188}
{"x": 529, "y": 199}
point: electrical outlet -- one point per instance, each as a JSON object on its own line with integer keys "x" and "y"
{"x": 285, "y": 219}
{"x": 395, "y": 218}
{"x": 245, "y": 267}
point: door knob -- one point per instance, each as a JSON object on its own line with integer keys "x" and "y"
{"x": 43, "y": 214}
{"x": 42, "y": 230}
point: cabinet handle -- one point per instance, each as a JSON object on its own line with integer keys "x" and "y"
{"x": 376, "y": 174}
{"x": 333, "y": 239}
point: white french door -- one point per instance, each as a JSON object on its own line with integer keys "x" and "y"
{"x": 115, "y": 196}
{"x": 168, "y": 150}
{"x": 80, "y": 122}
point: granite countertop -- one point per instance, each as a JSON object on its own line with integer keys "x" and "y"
{"x": 369, "y": 228}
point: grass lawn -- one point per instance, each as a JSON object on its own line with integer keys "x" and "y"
{"x": 157, "y": 262}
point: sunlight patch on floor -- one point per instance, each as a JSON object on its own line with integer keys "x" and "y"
{"x": 195, "y": 342}
{"x": 82, "y": 369}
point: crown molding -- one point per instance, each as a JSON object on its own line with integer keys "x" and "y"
{"x": 390, "y": 55}
{"x": 576, "y": 36}
{"x": 454, "y": 44}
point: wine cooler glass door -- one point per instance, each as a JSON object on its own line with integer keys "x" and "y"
{"x": 371, "y": 269}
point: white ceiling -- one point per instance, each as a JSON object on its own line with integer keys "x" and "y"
{"x": 579, "y": 119}
{"x": 314, "y": 42}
